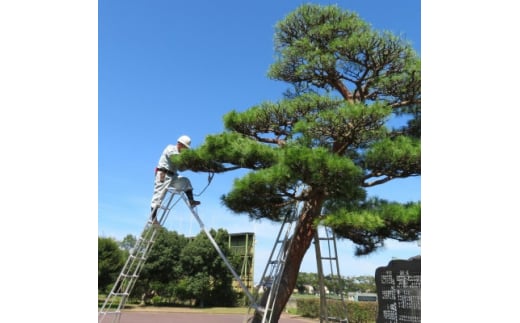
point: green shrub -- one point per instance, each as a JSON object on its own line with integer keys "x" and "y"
{"x": 362, "y": 312}
{"x": 357, "y": 312}
{"x": 156, "y": 300}
{"x": 308, "y": 307}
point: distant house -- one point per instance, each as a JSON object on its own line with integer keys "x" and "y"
{"x": 361, "y": 297}
{"x": 309, "y": 289}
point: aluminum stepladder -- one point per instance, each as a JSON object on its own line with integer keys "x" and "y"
{"x": 138, "y": 255}
{"x": 271, "y": 276}
{"x": 110, "y": 312}
{"x": 219, "y": 251}
{"x": 326, "y": 234}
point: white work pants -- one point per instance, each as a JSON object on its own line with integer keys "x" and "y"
{"x": 163, "y": 181}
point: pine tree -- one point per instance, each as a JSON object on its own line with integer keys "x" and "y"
{"x": 329, "y": 138}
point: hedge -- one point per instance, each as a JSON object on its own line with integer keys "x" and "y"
{"x": 357, "y": 312}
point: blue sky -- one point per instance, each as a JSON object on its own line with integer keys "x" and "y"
{"x": 71, "y": 170}
{"x": 170, "y": 68}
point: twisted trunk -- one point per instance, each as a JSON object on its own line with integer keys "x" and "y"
{"x": 301, "y": 240}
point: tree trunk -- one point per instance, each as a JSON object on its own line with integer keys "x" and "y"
{"x": 302, "y": 238}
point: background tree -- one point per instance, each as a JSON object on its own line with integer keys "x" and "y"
{"x": 110, "y": 262}
{"x": 206, "y": 277}
{"x": 363, "y": 284}
{"x": 162, "y": 269}
{"x": 328, "y": 139}
{"x": 128, "y": 242}
{"x": 177, "y": 268}
{"x": 304, "y": 279}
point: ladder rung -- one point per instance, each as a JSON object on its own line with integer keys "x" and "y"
{"x": 138, "y": 257}
{"x": 259, "y": 309}
{"x": 329, "y": 258}
{"x": 120, "y": 294}
{"x": 113, "y": 312}
{"x": 135, "y": 260}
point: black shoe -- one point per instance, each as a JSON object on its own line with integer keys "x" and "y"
{"x": 194, "y": 203}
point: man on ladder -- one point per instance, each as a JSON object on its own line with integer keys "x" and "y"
{"x": 166, "y": 175}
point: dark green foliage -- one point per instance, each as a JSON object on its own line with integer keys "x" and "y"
{"x": 320, "y": 146}
{"x": 396, "y": 157}
{"x": 324, "y": 47}
{"x": 364, "y": 284}
{"x": 162, "y": 265}
{"x": 308, "y": 307}
{"x": 369, "y": 223}
{"x": 178, "y": 269}
{"x": 329, "y": 138}
{"x": 206, "y": 277}
{"x": 128, "y": 242}
{"x": 220, "y": 151}
{"x": 262, "y": 193}
{"x": 110, "y": 262}
{"x": 357, "y": 312}
{"x": 362, "y": 312}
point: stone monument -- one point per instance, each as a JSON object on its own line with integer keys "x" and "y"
{"x": 399, "y": 291}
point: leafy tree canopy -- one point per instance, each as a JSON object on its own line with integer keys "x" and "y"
{"x": 330, "y": 137}
{"x": 110, "y": 261}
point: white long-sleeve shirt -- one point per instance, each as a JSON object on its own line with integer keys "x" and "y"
{"x": 165, "y": 159}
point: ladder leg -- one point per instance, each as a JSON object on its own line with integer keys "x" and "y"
{"x": 270, "y": 281}
{"x": 136, "y": 259}
{"x": 217, "y": 248}
{"x": 332, "y": 256}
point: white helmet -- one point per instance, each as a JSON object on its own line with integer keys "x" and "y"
{"x": 185, "y": 140}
